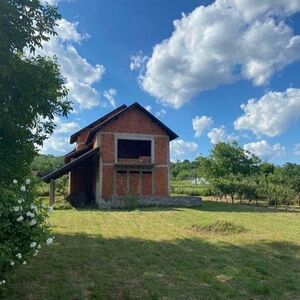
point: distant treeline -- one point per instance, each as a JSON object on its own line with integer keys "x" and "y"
{"x": 232, "y": 172}
{"x": 45, "y": 164}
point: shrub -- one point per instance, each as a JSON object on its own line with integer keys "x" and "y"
{"x": 130, "y": 201}
{"x": 23, "y": 227}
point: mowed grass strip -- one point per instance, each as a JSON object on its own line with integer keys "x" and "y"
{"x": 153, "y": 254}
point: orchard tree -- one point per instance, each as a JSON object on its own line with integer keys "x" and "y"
{"x": 32, "y": 90}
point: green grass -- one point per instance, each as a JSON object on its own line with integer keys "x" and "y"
{"x": 153, "y": 254}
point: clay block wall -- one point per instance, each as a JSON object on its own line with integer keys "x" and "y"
{"x": 81, "y": 139}
{"x": 134, "y": 121}
{"x": 173, "y": 201}
{"x": 156, "y": 184}
{"x": 161, "y": 150}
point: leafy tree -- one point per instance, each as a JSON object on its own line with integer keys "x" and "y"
{"x": 46, "y": 163}
{"x": 32, "y": 93}
{"x": 32, "y": 90}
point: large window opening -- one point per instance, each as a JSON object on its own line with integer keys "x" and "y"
{"x": 134, "y": 149}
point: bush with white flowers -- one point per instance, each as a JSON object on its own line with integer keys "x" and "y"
{"x": 23, "y": 227}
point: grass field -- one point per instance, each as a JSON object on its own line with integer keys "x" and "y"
{"x": 155, "y": 254}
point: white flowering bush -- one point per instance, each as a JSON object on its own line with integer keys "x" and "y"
{"x": 23, "y": 227}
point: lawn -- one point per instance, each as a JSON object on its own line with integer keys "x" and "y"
{"x": 155, "y": 254}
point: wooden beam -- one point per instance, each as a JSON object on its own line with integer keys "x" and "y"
{"x": 52, "y": 191}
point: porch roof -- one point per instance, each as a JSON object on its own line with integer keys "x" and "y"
{"x": 69, "y": 166}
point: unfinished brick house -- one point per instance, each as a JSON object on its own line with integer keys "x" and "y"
{"x": 123, "y": 152}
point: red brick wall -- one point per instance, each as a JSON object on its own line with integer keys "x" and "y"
{"x": 134, "y": 183}
{"x": 146, "y": 184}
{"x": 121, "y": 184}
{"x": 107, "y": 148}
{"x": 160, "y": 177}
{"x": 134, "y": 121}
{"x": 107, "y": 181}
{"x": 161, "y": 145}
{"x": 81, "y": 139}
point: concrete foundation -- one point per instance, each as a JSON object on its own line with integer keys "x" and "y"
{"x": 170, "y": 201}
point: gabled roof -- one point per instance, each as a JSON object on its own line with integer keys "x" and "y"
{"x": 67, "y": 167}
{"x": 93, "y": 131}
{"x": 75, "y": 153}
{"x": 97, "y": 122}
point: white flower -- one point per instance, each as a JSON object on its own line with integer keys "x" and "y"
{"x": 27, "y": 181}
{"x": 39, "y": 247}
{"x": 49, "y": 241}
{"x": 32, "y": 207}
{"x": 19, "y": 255}
{"x": 2, "y": 282}
{"x": 12, "y": 263}
{"x": 19, "y": 201}
{"x": 32, "y": 222}
{"x": 35, "y": 253}
{"x": 50, "y": 208}
{"x": 20, "y": 219}
{"x": 33, "y": 244}
{"x": 30, "y": 214}
{"x": 24, "y": 262}
{"x": 15, "y": 181}
{"x": 16, "y": 208}
{"x": 23, "y": 188}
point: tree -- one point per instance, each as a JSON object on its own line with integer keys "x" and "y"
{"x": 32, "y": 90}
{"x": 32, "y": 93}
{"x": 228, "y": 159}
{"x": 46, "y": 163}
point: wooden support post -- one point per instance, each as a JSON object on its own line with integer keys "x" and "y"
{"x": 52, "y": 191}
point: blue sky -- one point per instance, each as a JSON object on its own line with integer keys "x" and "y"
{"x": 193, "y": 74}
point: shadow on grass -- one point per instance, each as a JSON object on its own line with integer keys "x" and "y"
{"x": 93, "y": 267}
{"x": 208, "y": 205}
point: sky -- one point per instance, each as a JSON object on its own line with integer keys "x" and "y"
{"x": 212, "y": 71}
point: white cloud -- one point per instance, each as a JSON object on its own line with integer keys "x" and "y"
{"x": 272, "y": 114}
{"x": 265, "y": 150}
{"x": 200, "y": 124}
{"x": 58, "y": 142}
{"x": 53, "y": 2}
{"x": 148, "y": 107}
{"x": 217, "y": 135}
{"x": 221, "y": 43}
{"x": 160, "y": 113}
{"x": 110, "y": 96}
{"x": 296, "y": 149}
{"x": 180, "y": 149}
{"x": 138, "y": 61}
{"x": 80, "y": 75}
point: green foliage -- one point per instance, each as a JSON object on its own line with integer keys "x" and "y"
{"x": 62, "y": 185}
{"x": 228, "y": 159}
{"x": 32, "y": 90}
{"x": 130, "y": 201}
{"x": 230, "y": 171}
{"x": 32, "y": 94}
{"x": 23, "y": 227}
{"x": 46, "y": 163}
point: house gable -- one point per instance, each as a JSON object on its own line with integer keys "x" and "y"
{"x": 133, "y": 119}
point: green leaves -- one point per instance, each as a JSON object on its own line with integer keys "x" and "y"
{"x": 32, "y": 91}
